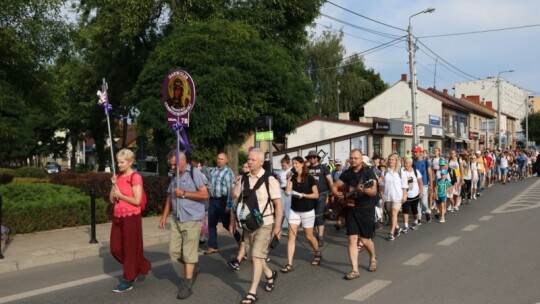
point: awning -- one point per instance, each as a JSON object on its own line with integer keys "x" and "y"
{"x": 450, "y": 136}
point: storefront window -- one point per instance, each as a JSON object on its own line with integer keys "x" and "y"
{"x": 398, "y": 146}
{"x": 377, "y": 147}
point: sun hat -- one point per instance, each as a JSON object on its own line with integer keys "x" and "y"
{"x": 444, "y": 171}
{"x": 313, "y": 153}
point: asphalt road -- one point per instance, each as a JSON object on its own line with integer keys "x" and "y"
{"x": 485, "y": 253}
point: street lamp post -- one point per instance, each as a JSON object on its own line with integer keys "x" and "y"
{"x": 499, "y": 106}
{"x": 412, "y": 68}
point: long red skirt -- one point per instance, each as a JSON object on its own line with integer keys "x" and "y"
{"x": 127, "y": 246}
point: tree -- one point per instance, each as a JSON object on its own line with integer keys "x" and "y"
{"x": 31, "y": 34}
{"x": 342, "y": 84}
{"x": 534, "y": 126}
{"x": 238, "y": 76}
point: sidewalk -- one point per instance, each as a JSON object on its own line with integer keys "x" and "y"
{"x": 56, "y": 246}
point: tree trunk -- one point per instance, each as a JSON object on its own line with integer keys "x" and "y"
{"x": 232, "y": 154}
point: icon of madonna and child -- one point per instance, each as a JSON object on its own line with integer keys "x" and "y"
{"x": 179, "y": 93}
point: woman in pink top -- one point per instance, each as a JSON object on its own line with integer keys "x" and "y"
{"x": 126, "y": 231}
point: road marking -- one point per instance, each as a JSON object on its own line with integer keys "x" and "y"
{"x": 57, "y": 287}
{"x": 470, "y": 228}
{"x": 485, "y": 218}
{"x": 366, "y": 291}
{"x": 528, "y": 199}
{"x": 449, "y": 241}
{"x": 418, "y": 259}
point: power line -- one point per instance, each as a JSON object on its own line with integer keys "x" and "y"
{"x": 484, "y": 31}
{"x": 368, "y": 51}
{"x": 370, "y": 19}
{"x": 464, "y": 73}
{"x": 359, "y": 27}
{"x": 361, "y": 38}
{"x": 444, "y": 66}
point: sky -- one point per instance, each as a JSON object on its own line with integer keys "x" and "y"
{"x": 473, "y": 56}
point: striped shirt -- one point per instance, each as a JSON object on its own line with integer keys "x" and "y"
{"x": 221, "y": 181}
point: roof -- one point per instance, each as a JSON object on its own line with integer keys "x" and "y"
{"x": 445, "y": 101}
{"x": 470, "y": 105}
{"x": 335, "y": 120}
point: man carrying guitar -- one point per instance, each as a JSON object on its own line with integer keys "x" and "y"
{"x": 360, "y": 217}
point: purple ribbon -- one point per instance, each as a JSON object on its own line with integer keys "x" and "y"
{"x": 182, "y": 136}
{"x": 108, "y": 107}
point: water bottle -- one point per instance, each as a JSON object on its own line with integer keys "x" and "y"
{"x": 258, "y": 216}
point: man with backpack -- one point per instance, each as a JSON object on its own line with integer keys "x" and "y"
{"x": 185, "y": 196}
{"x": 261, "y": 223}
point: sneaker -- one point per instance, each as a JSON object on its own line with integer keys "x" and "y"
{"x": 405, "y": 230}
{"x": 124, "y": 286}
{"x": 390, "y": 237}
{"x": 285, "y": 232}
{"x": 235, "y": 265}
{"x": 442, "y": 220}
{"x": 428, "y": 218}
{"x": 449, "y": 208}
{"x": 184, "y": 290}
{"x": 456, "y": 208}
{"x": 398, "y": 231}
{"x": 419, "y": 222}
{"x": 437, "y": 216}
{"x": 414, "y": 226}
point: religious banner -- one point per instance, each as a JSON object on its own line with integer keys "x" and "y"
{"x": 178, "y": 96}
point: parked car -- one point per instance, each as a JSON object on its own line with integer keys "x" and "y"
{"x": 52, "y": 167}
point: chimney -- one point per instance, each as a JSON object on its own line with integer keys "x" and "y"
{"x": 445, "y": 91}
{"x": 404, "y": 77}
{"x": 475, "y": 98}
{"x": 489, "y": 104}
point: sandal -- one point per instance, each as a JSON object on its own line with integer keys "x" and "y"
{"x": 317, "y": 259}
{"x": 352, "y": 275}
{"x": 270, "y": 285}
{"x": 250, "y": 298}
{"x": 372, "y": 265}
{"x": 287, "y": 268}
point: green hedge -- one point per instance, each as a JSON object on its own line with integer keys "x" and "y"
{"x": 154, "y": 186}
{"x": 30, "y": 172}
{"x": 35, "y": 207}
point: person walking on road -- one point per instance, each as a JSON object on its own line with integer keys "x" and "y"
{"x": 322, "y": 175}
{"x": 303, "y": 189}
{"x": 394, "y": 188}
{"x": 423, "y": 166}
{"x": 259, "y": 240}
{"x": 185, "y": 196}
{"x": 126, "y": 231}
{"x": 221, "y": 180}
{"x": 360, "y": 218}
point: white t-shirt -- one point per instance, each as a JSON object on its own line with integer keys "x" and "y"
{"x": 394, "y": 183}
{"x": 413, "y": 188}
{"x": 504, "y": 162}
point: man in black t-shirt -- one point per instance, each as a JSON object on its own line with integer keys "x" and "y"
{"x": 322, "y": 175}
{"x": 360, "y": 219}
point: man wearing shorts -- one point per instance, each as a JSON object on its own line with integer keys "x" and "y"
{"x": 258, "y": 241}
{"x": 360, "y": 217}
{"x": 186, "y": 195}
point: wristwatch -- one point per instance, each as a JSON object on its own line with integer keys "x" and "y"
{"x": 184, "y": 194}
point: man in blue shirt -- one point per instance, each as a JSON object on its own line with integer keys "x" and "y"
{"x": 185, "y": 196}
{"x": 221, "y": 179}
{"x": 423, "y": 165}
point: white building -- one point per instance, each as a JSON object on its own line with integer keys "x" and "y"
{"x": 512, "y": 99}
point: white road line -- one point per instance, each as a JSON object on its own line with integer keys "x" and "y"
{"x": 449, "y": 241}
{"x": 485, "y": 218}
{"x": 516, "y": 204}
{"x": 470, "y": 228}
{"x": 367, "y": 290}
{"x": 418, "y": 259}
{"x": 45, "y": 290}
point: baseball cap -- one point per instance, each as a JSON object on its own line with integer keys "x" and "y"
{"x": 417, "y": 149}
{"x": 478, "y": 152}
{"x": 338, "y": 162}
{"x": 442, "y": 162}
{"x": 444, "y": 171}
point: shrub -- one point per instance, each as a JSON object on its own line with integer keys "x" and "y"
{"x": 30, "y": 172}
{"x": 30, "y": 180}
{"x": 38, "y": 206}
{"x": 155, "y": 187}
{"x": 6, "y": 176}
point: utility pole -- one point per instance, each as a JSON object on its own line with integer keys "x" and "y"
{"x": 499, "y": 107}
{"x": 412, "y": 69}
